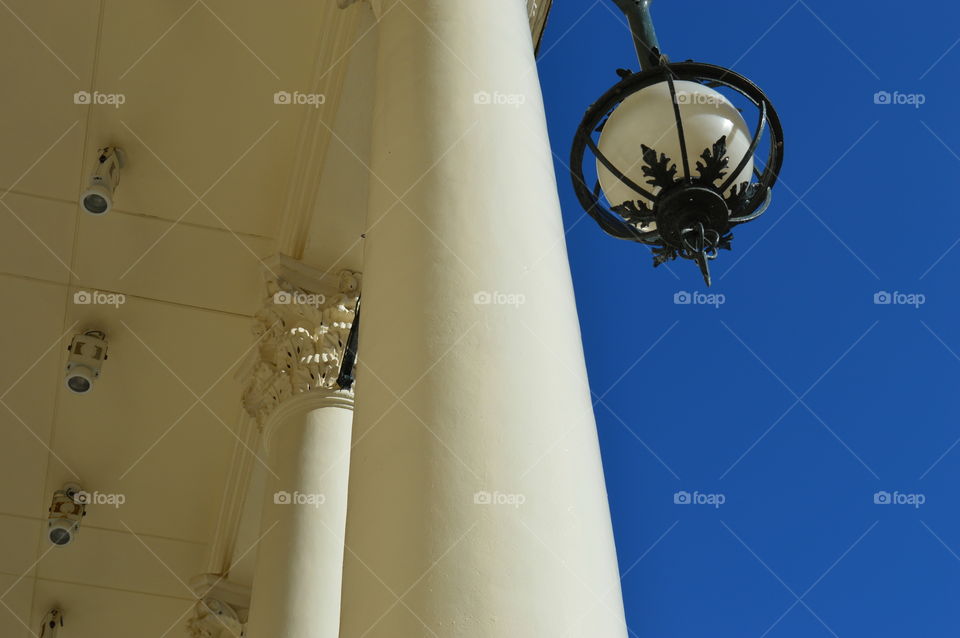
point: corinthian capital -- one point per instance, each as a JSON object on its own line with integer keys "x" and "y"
{"x": 221, "y": 607}
{"x": 214, "y": 618}
{"x": 302, "y": 330}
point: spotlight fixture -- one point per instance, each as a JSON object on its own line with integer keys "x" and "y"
{"x": 674, "y": 158}
{"x": 66, "y": 512}
{"x": 88, "y": 351}
{"x": 98, "y": 198}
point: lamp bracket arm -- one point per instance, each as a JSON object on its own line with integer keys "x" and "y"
{"x": 644, "y": 35}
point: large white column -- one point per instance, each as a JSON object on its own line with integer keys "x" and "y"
{"x": 306, "y": 424}
{"x": 477, "y": 501}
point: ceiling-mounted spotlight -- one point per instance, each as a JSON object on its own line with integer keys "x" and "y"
{"x": 66, "y": 513}
{"x": 88, "y": 351}
{"x": 98, "y": 198}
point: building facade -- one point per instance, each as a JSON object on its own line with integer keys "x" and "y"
{"x": 281, "y": 164}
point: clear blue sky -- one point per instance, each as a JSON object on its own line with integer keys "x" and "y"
{"x": 799, "y": 398}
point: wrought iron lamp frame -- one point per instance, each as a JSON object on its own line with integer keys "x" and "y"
{"x": 693, "y": 214}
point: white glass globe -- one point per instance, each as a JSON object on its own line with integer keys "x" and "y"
{"x": 647, "y": 118}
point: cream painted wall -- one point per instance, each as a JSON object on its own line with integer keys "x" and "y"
{"x": 339, "y": 214}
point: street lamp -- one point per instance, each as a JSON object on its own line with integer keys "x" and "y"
{"x": 674, "y": 158}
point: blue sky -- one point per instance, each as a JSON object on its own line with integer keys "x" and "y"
{"x": 799, "y": 398}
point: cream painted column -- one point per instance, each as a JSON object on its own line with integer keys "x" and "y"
{"x": 296, "y": 592}
{"x": 306, "y": 424}
{"x": 477, "y": 501}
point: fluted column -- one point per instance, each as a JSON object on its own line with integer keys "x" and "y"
{"x": 477, "y": 501}
{"x": 306, "y": 423}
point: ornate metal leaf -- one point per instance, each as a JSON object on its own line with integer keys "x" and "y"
{"x": 724, "y": 242}
{"x": 739, "y": 194}
{"x": 656, "y": 168}
{"x": 635, "y": 212}
{"x": 713, "y": 165}
{"x": 663, "y": 254}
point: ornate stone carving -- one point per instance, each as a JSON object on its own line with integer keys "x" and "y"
{"x": 301, "y": 336}
{"x": 221, "y": 609}
{"x": 214, "y": 619}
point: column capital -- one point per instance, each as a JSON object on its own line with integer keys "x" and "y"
{"x": 302, "y": 329}
{"x": 221, "y": 608}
